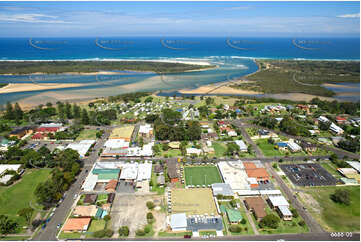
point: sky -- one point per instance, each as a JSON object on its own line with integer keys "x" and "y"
{"x": 218, "y": 19}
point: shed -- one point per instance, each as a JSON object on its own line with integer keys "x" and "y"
{"x": 178, "y": 222}
{"x": 234, "y": 216}
{"x": 90, "y": 198}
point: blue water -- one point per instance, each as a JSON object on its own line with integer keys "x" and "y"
{"x": 233, "y": 56}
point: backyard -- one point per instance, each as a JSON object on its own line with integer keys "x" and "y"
{"x": 87, "y": 134}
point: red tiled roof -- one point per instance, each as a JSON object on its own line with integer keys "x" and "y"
{"x": 76, "y": 224}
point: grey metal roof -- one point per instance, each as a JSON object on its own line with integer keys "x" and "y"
{"x": 222, "y": 188}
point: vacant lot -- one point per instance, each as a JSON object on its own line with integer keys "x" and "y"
{"x": 195, "y": 201}
{"x": 21, "y": 195}
{"x": 335, "y": 216}
{"x": 87, "y": 134}
{"x": 202, "y": 175}
{"x": 268, "y": 149}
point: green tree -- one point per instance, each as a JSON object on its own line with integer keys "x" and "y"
{"x": 341, "y": 196}
{"x": 84, "y": 117}
{"x": 270, "y": 221}
{"x": 150, "y": 205}
{"x": 7, "y": 225}
{"x": 27, "y": 214}
{"x": 124, "y": 231}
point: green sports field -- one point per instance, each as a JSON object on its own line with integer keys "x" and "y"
{"x": 202, "y": 175}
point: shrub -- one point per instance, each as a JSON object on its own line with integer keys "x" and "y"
{"x": 341, "y": 196}
{"x": 150, "y": 205}
{"x": 140, "y": 232}
{"x": 99, "y": 234}
{"x": 124, "y": 231}
{"x": 235, "y": 228}
{"x": 233, "y": 203}
{"x": 270, "y": 221}
{"x": 150, "y": 216}
{"x": 109, "y": 233}
{"x": 107, "y": 218}
{"x": 146, "y": 229}
{"x": 302, "y": 223}
{"x": 294, "y": 213}
{"x": 243, "y": 221}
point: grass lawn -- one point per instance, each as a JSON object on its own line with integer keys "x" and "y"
{"x": 201, "y": 175}
{"x": 96, "y": 225}
{"x": 21, "y": 194}
{"x": 155, "y": 188}
{"x": 15, "y": 238}
{"x": 180, "y": 234}
{"x": 211, "y": 232}
{"x": 102, "y": 198}
{"x": 267, "y": 148}
{"x": 74, "y": 235}
{"x": 87, "y": 134}
{"x": 172, "y": 153}
{"x": 334, "y": 216}
{"x": 219, "y": 149}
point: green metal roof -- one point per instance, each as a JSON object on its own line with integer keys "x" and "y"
{"x": 233, "y": 215}
{"x": 108, "y": 176}
{"x": 223, "y": 208}
{"x": 101, "y": 171}
{"x": 99, "y": 213}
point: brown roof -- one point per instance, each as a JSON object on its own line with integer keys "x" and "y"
{"x": 85, "y": 211}
{"x": 257, "y": 205}
{"x": 111, "y": 197}
{"x": 172, "y": 169}
{"x": 253, "y": 171}
{"x": 111, "y": 185}
{"x": 76, "y": 224}
{"x": 90, "y": 198}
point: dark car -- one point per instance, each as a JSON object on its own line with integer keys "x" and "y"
{"x": 187, "y": 236}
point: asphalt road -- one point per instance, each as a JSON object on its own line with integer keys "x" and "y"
{"x": 50, "y": 231}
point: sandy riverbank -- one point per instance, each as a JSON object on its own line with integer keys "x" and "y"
{"x": 25, "y": 87}
{"x": 337, "y": 85}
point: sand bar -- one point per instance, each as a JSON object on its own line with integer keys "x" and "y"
{"x": 25, "y": 87}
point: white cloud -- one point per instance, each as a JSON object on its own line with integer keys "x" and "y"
{"x": 351, "y": 15}
{"x": 30, "y": 18}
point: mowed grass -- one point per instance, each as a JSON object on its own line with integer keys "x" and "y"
{"x": 267, "y": 148}
{"x": 202, "y": 175}
{"x": 335, "y": 216}
{"x": 96, "y": 225}
{"x": 219, "y": 149}
{"x": 87, "y": 134}
{"x": 21, "y": 195}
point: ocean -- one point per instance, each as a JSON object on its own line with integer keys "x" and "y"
{"x": 234, "y": 57}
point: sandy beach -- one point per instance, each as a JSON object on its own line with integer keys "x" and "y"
{"x": 25, "y": 87}
{"x": 337, "y": 85}
{"x": 220, "y": 88}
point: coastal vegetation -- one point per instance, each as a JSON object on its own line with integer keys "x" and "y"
{"x": 293, "y": 76}
{"x": 57, "y": 67}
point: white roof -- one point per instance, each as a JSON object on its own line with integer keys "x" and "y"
{"x": 90, "y": 182}
{"x": 82, "y": 147}
{"x": 129, "y": 171}
{"x": 354, "y": 164}
{"x": 116, "y": 143}
{"x": 109, "y": 165}
{"x": 241, "y": 144}
{"x": 6, "y": 167}
{"x": 278, "y": 201}
{"x": 323, "y": 119}
{"x": 293, "y": 146}
{"x": 145, "y": 128}
{"x": 144, "y": 171}
{"x": 178, "y": 220}
{"x": 193, "y": 151}
{"x": 285, "y": 211}
{"x": 335, "y": 128}
{"x": 233, "y": 173}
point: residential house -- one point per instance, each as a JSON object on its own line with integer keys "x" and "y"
{"x": 76, "y": 225}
